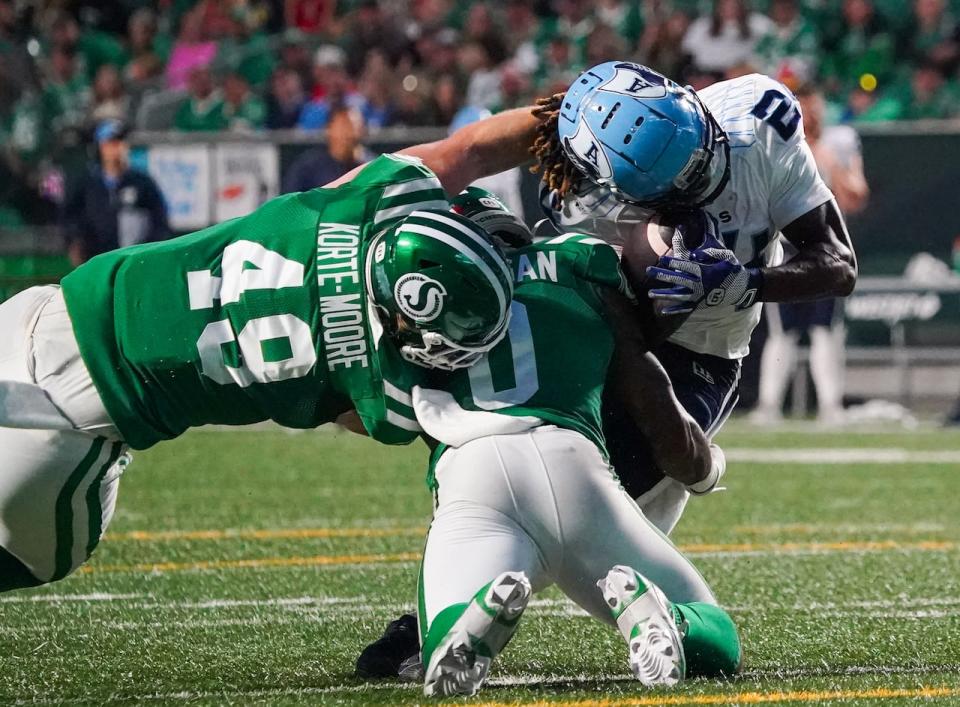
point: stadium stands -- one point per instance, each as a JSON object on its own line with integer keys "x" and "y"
{"x": 417, "y": 62}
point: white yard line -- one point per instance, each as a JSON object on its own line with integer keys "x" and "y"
{"x": 528, "y": 679}
{"x": 839, "y": 455}
{"x": 542, "y": 606}
{"x": 65, "y": 598}
{"x": 304, "y": 610}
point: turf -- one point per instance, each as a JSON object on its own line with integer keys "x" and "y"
{"x": 250, "y": 567}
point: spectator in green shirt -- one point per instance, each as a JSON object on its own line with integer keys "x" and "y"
{"x": 859, "y": 45}
{"x": 930, "y": 35}
{"x": 790, "y": 47}
{"x": 930, "y": 96}
{"x": 202, "y": 110}
{"x": 242, "y": 110}
{"x": 926, "y": 95}
{"x": 66, "y": 94}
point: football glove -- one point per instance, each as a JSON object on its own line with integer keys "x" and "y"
{"x": 706, "y": 277}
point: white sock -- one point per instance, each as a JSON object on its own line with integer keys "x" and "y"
{"x": 827, "y": 368}
{"x": 776, "y": 366}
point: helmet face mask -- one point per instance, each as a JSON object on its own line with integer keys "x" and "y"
{"x": 649, "y": 140}
{"x": 434, "y": 350}
{"x": 441, "y": 289}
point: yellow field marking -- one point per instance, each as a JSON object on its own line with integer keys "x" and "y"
{"x": 324, "y": 560}
{"x": 824, "y": 528}
{"x": 751, "y": 698}
{"x": 840, "y": 546}
{"x": 694, "y": 548}
{"x": 277, "y": 534}
{"x": 316, "y": 560}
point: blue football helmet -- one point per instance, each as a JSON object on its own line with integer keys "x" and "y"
{"x": 646, "y": 138}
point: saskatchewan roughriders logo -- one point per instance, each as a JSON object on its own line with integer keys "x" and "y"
{"x": 419, "y": 297}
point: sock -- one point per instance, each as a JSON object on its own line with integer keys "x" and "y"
{"x": 438, "y": 628}
{"x": 496, "y": 635}
{"x": 777, "y": 364}
{"x": 826, "y": 367}
{"x": 711, "y": 643}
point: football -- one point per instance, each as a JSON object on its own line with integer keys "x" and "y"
{"x": 649, "y": 242}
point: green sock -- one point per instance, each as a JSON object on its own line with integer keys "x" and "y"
{"x": 442, "y": 623}
{"x": 494, "y": 640}
{"x": 711, "y": 644}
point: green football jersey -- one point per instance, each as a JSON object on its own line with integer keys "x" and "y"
{"x": 261, "y": 317}
{"x": 552, "y": 365}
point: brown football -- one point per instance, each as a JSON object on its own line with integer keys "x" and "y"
{"x": 647, "y": 244}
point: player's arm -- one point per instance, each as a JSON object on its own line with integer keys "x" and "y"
{"x": 480, "y": 149}
{"x": 679, "y": 445}
{"x": 825, "y": 264}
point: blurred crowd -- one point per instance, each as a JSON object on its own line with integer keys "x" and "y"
{"x": 195, "y": 65}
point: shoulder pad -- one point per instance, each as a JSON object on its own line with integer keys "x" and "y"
{"x": 590, "y": 258}
{"x": 407, "y": 185}
{"x": 390, "y": 169}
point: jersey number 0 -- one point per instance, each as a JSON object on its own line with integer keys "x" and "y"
{"x": 526, "y": 383}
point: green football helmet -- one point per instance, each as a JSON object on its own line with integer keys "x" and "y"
{"x": 442, "y": 289}
{"x": 488, "y": 211}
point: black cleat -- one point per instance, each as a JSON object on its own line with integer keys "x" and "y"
{"x": 399, "y": 644}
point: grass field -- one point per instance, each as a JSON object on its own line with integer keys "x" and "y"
{"x": 252, "y": 566}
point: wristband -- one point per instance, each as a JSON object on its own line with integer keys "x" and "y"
{"x": 752, "y": 294}
{"x": 718, "y": 465}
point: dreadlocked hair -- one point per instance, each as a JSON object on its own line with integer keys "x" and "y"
{"x": 558, "y": 172}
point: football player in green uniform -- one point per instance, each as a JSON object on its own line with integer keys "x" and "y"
{"x": 262, "y": 317}
{"x": 525, "y": 495}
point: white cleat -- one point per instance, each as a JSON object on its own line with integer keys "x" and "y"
{"x": 646, "y": 622}
{"x": 460, "y": 664}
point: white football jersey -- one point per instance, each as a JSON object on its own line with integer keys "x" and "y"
{"x": 773, "y": 181}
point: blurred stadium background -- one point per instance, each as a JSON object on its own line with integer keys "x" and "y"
{"x": 228, "y": 100}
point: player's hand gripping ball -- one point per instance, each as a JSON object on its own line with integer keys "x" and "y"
{"x": 650, "y": 245}
{"x": 707, "y": 278}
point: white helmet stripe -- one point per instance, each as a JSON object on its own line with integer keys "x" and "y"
{"x": 478, "y": 239}
{"x": 454, "y": 243}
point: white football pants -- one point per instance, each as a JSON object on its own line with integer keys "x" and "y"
{"x": 546, "y": 503}
{"x": 58, "y": 484}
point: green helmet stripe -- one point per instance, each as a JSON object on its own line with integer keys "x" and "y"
{"x": 458, "y": 244}
{"x": 478, "y": 239}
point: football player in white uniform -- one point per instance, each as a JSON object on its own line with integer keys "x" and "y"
{"x": 626, "y": 142}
